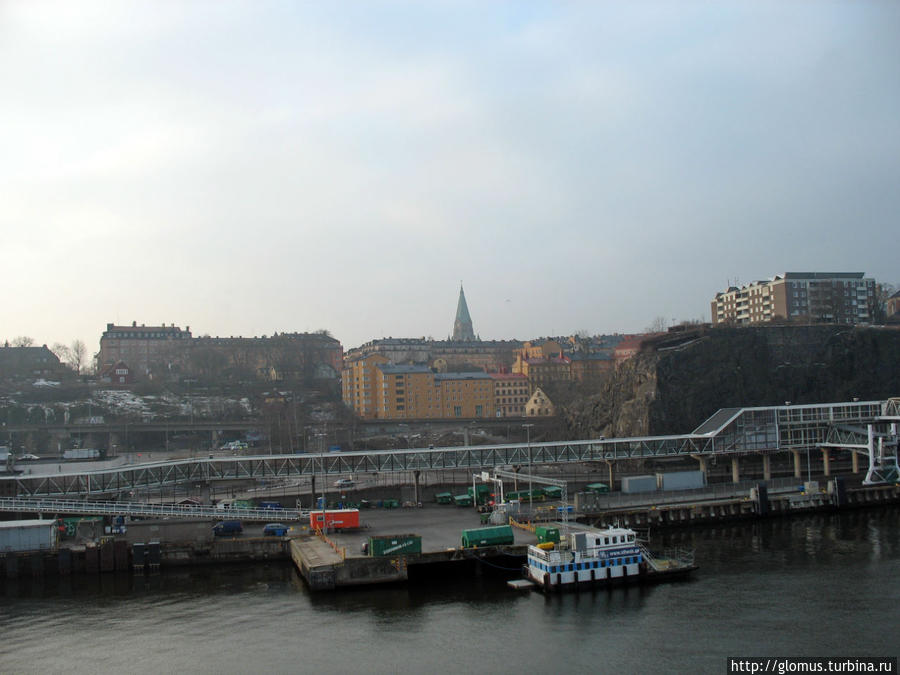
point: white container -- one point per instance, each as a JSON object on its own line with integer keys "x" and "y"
{"x": 19, "y": 536}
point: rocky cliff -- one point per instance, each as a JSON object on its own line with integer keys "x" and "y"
{"x": 678, "y": 381}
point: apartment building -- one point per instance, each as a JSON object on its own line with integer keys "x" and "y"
{"x": 511, "y": 392}
{"x": 831, "y": 297}
{"x": 377, "y": 389}
{"x": 358, "y": 389}
{"x": 144, "y": 348}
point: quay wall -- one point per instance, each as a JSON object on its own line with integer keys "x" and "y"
{"x": 687, "y": 514}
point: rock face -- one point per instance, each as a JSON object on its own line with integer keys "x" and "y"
{"x": 677, "y": 382}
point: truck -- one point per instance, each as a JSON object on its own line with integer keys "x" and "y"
{"x": 82, "y": 453}
{"x": 228, "y": 528}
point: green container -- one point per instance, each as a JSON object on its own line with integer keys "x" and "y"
{"x": 545, "y": 534}
{"x": 597, "y": 488}
{"x": 391, "y": 503}
{"x": 443, "y": 498}
{"x": 462, "y": 500}
{"x": 498, "y": 535}
{"x": 553, "y": 492}
{"x": 242, "y": 504}
{"x": 481, "y": 493}
{"x": 395, "y": 544}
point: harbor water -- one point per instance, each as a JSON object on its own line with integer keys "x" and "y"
{"x": 821, "y": 585}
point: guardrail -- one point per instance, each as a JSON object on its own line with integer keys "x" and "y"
{"x": 144, "y": 510}
{"x": 712, "y": 492}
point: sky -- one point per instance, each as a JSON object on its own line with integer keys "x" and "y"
{"x": 247, "y": 168}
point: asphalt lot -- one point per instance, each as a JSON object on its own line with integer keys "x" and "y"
{"x": 440, "y": 526}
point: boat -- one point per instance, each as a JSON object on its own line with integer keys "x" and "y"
{"x": 601, "y": 557}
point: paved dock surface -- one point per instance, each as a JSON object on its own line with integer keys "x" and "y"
{"x": 440, "y": 526}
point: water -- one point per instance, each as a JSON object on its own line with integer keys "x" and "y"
{"x": 810, "y": 586}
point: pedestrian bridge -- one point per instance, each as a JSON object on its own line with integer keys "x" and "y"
{"x": 731, "y": 432}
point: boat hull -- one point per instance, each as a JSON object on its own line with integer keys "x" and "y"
{"x": 548, "y": 584}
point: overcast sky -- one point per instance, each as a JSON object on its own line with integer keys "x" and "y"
{"x": 245, "y": 168}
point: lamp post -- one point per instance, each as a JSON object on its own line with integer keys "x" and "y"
{"x": 530, "y": 494}
{"x": 321, "y": 438}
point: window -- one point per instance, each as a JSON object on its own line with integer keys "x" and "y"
{"x": 457, "y": 411}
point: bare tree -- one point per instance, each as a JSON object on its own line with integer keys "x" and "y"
{"x": 882, "y": 293}
{"x": 77, "y": 354}
{"x": 23, "y": 341}
{"x": 62, "y": 352}
{"x": 658, "y": 325}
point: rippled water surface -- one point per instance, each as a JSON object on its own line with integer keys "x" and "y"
{"x": 819, "y": 585}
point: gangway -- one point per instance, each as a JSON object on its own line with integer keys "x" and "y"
{"x": 144, "y": 510}
{"x": 879, "y": 447}
{"x": 499, "y": 474}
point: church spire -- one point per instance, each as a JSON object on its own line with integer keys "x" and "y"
{"x": 462, "y": 326}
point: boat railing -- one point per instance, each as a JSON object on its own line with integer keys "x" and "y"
{"x": 669, "y": 558}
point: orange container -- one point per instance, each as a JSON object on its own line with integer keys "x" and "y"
{"x": 337, "y": 519}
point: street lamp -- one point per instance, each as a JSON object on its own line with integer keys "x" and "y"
{"x": 321, "y": 438}
{"x": 530, "y": 494}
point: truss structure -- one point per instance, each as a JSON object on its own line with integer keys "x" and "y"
{"x": 737, "y": 431}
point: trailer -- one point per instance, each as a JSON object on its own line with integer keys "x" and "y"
{"x": 339, "y": 519}
{"x": 394, "y": 544}
{"x": 681, "y": 480}
{"x": 499, "y": 535}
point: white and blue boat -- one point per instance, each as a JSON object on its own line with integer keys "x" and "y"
{"x": 598, "y": 557}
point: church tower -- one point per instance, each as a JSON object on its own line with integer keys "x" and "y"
{"x": 462, "y": 326}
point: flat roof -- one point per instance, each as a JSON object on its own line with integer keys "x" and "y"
{"x": 13, "y": 524}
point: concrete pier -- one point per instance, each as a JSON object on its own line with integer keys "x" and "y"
{"x": 826, "y": 461}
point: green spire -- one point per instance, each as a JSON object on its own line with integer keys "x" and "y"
{"x": 462, "y": 326}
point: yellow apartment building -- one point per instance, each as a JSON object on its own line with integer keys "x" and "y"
{"x": 358, "y": 388}
{"x": 376, "y": 389}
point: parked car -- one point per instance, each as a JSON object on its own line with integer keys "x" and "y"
{"x": 228, "y": 528}
{"x": 343, "y": 483}
{"x": 275, "y": 530}
{"x": 28, "y": 457}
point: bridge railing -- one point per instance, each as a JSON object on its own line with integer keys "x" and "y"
{"x": 140, "y": 509}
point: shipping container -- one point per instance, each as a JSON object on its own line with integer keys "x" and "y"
{"x": 462, "y": 500}
{"x": 597, "y": 488}
{"x": 545, "y": 534}
{"x": 27, "y": 535}
{"x": 394, "y": 544}
{"x": 337, "y": 519}
{"x": 499, "y": 535}
{"x": 443, "y": 498}
{"x": 633, "y": 484}
{"x": 681, "y": 480}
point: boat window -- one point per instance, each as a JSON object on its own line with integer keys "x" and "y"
{"x": 605, "y": 540}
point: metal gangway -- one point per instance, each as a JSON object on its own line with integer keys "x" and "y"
{"x": 729, "y": 432}
{"x": 144, "y": 510}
